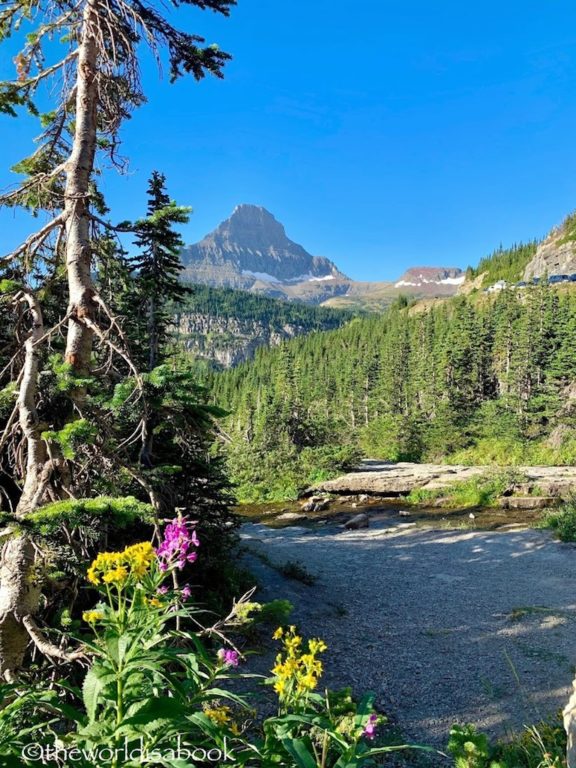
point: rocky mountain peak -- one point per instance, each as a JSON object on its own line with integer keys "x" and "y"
{"x": 250, "y": 248}
{"x": 252, "y": 226}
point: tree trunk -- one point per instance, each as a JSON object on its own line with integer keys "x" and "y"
{"x": 19, "y": 583}
{"x": 77, "y": 200}
{"x": 19, "y": 590}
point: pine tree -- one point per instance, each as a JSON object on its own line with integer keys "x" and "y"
{"x": 158, "y": 267}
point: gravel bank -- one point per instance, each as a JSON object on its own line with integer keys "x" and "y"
{"x": 444, "y": 625}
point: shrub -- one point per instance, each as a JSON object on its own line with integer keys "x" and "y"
{"x": 563, "y": 520}
{"x": 470, "y": 748}
{"x": 539, "y": 746}
{"x": 480, "y": 491}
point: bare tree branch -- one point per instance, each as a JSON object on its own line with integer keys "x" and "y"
{"x": 45, "y": 646}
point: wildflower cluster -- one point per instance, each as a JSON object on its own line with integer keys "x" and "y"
{"x": 297, "y": 669}
{"x": 222, "y": 717}
{"x": 218, "y": 715}
{"x": 176, "y": 546}
{"x": 118, "y": 567}
{"x": 136, "y": 626}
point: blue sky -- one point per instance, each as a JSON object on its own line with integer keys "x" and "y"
{"x": 384, "y": 134}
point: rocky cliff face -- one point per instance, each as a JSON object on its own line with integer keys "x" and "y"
{"x": 556, "y": 254}
{"x": 229, "y": 341}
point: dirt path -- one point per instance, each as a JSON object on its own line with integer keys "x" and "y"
{"x": 444, "y": 625}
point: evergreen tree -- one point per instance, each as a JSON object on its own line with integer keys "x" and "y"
{"x": 158, "y": 267}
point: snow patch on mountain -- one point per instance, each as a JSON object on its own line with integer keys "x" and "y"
{"x": 260, "y": 276}
{"x": 453, "y": 280}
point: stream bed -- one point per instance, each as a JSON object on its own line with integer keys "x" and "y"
{"x": 446, "y": 617}
{"x": 283, "y": 514}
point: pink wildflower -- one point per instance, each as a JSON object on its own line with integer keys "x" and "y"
{"x": 175, "y": 547}
{"x": 229, "y": 658}
{"x": 370, "y": 728}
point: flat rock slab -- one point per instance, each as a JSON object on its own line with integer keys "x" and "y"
{"x": 383, "y": 479}
{"x": 444, "y": 625}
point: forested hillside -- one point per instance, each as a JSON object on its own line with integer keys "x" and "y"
{"x": 474, "y": 379}
{"x": 227, "y": 302}
{"x": 504, "y": 264}
{"x": 224, "y": 326}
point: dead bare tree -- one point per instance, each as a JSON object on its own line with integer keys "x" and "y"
{"x": 97, "y": 82}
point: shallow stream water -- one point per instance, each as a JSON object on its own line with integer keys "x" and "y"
{"x": 340, "y": 510}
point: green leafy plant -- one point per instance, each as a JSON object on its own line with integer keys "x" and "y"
{"x": 562, "y": 520}
{"x": 275, "y": 612}
{"x": 470, "y": 748}
{"x": 481, "y": 491}
{"x": 542, "y": 745}
{"x": 72, "y": 436}
{"x": 158, "y": 678}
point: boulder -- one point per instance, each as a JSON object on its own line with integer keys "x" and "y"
{"x": 290, "y": 517}
{"x": 404, "y": 513}
{"x": 528, "y": 502}
{"x": 309, "y": 506}
{"x": 358, "y": 521}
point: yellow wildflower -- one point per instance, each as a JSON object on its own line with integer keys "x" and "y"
{"x": 139, "y": 557}
{"x": 278, "y": 634}
{"x": 297, "y": 670}
{"x": 316, "y": 646}
{"x": 118, "y": 567}
{"x": 91, "y": 617}
{"x": 311, "y": 663}
{"x": 280, "y": 687}
{"x": 153, "y": 602}
{"x": 116, "y": 576}
{"x": 292, "y": 644}
{"x": 218, "y": 715}
{"x": 307, "y": 682}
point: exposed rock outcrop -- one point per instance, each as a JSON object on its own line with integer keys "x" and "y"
{"x": 431, "y": 278}
{"x": 556, "y": 255}
{"x": 228, "y": 341}
{"x": 382, "y": 479}
{"x": 358, "y": 521}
